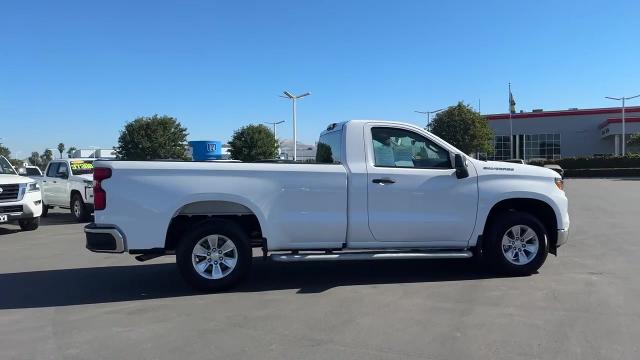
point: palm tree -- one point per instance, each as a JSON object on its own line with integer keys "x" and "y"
{"x": 61, "y": 149}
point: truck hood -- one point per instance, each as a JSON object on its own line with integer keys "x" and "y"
{"x": 501, "y": 168}
{"x": 14, "y": 179}
{"x": 82, "y": 178}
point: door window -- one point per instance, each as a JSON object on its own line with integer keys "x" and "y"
{"x": 400, "y": 148}
{"x": 52, "y": 170}
{"x": 63, "y": 171}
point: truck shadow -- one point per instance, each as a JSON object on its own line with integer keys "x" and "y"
{"x": 57, "y": 218}
{"x": 8, "y": 229}
{"x": 140, "y": 282}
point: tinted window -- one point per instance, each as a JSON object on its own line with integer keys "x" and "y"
{"x": 406, "y": 149}
{"x": 5, "y": 166}
{"x": 329, "y": 148}
{"x": 33, "y": 172}
{"x": 63, "y": 169}
{"x": 52, "y": 169}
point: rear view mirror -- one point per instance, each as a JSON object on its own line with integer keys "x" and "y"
{"x": 461, "y": 167}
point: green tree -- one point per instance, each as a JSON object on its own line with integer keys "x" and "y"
{"x": 155, "y": 137}
{"x": 464, "y": 128}
{"x": 34, "y": 159}
{"x": 71, "y": 150}
{"x": 45, "y": 158}
{"x": 4, "y": 151}
{"x": 634, "y": 139}
{"x": 61, "y": 149}
{"x": 253, "y": 142}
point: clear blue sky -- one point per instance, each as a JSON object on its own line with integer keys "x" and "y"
{"x": 77, "y": 71}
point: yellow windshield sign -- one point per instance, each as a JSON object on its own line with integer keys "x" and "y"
{"x": 81, "y": 165}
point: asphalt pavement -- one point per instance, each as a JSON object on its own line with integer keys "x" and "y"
{"x": 59, "y": 301}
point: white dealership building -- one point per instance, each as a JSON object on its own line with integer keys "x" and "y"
{"x": 557, "y": 134}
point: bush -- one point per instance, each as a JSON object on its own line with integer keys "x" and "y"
{"x": 617, "y": 162}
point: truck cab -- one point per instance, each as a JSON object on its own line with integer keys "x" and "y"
{"x": 68, "y": 184}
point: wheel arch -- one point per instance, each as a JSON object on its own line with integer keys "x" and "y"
{"x": 199, "y": 211}
{"x": 536, "y": 207}
{"x": 72, "y": 193}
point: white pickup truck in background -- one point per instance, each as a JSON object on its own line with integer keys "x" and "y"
{"x": 68, "y": 184}
{"x": 20, "y": 198}
{"x": 381, "y": 190}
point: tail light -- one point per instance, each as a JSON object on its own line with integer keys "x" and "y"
{"x": 99, "y": 195}
{"x": 559, "y": 183}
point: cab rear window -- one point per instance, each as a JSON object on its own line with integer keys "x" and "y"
{"x": 329, "y": 148}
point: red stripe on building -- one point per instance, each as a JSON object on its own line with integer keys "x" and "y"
{"x": 529, "y": 115}
{"x": 619, "y": 120}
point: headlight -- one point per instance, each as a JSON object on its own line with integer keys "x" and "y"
{"x": 33, "y": 187}
{"x": 88, "y": 183}
{"x": 559, "y": 183}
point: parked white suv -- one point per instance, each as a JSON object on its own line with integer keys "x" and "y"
{"x": 68, "y": 184}
{"x": 20, "y": 198}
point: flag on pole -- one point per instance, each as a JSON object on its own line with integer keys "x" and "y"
{"x": 512, "y": 102}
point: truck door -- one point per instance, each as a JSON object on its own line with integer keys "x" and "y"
{"x": 413, "y": 192}
{"x": 59, "y": 191}
{"x": 48, "y": 183}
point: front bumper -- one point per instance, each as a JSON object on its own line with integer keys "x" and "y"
{"x": 104, "y": 239}
{"x": 563, "y": 237}
{"x": 28, "y": 207}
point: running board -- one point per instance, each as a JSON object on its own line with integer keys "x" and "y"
{"x": 459, "y": 254}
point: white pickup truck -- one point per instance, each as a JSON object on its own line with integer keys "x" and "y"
{"x": 20, "y": 198}
{"x": 382, "y": 190}
{"x": 68, "y": 183}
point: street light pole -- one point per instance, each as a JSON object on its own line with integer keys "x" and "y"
{"x": 275, "y": 134}
{"x": 428, "y": 113}
{"x": 623, "y": 98}
{"x": 295, "y": 134}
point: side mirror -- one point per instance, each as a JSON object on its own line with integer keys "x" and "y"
{"x": 62, "y": 175}
{"x": 461, "y": 167}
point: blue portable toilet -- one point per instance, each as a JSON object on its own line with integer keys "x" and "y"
{"x": 202, "y": 150}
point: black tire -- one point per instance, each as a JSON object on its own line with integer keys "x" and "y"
{"x": 29, "y": 224}
{"x": 188, "y": 242}
{"x": 45, "y": 210}
{"x": 497, "y": 258}
{"x": 79, "y": 209}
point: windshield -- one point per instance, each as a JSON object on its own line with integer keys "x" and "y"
{"x": 5, "y": 167}
{"x": 81, "y": 167}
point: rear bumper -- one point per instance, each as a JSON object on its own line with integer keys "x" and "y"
{"x": 104, "y": 239}
{"x": 563, "y": 237}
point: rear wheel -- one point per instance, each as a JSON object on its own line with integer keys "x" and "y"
{"x": 29, "y": 224}
{"x": 518, "y": 243}
{"x": 79, "y": 209}
{"x": 214, "y": 256}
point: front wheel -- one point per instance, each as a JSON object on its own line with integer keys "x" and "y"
{"x": 214, "y": 256}
{"x": 518, "y": 244}
{"x": 29, "y": 224}
{"x": 79, "y": 209}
